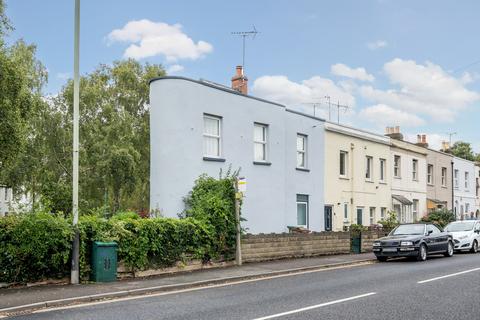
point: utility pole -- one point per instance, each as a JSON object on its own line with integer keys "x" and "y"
{"x": 329, "y": 108}
{"x": 240, "y": 187}
{"x": 245, "y": 34}
{"x": 450, "y": 134}
{"x": 75, "y": 271}
{"x": 338, "y": 110}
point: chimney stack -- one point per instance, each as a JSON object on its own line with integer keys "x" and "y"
{"x": 394, "y": 133}
{"x": 240, "y": 81}
{"x": 422, "y": 140}
{"x": 445, "y": 146}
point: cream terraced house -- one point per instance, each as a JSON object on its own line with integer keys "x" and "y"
{"x": 357, "y": 177}
{"x": 409, "y": 175}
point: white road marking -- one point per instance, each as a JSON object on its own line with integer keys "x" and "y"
{"x": 145, "y": 296}
{"x": 449, "y": 275}
{"x": 278, "y": 315}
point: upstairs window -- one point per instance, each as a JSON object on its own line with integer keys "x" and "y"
{"x": 301, "y": 151}
{"x": 343, "y": 163}
{"x": 397, "y": 166}
{"x": 430, "y": 174}
{"x": 212, "y": 136}
{"x": 383, "y": 168}
{"x": 260, "y": 142}
{"x": 415, "y": 169}
{"x": 444, "y": 177}
{"x": 369, "y": 168}
{"x": 467, "y": 178}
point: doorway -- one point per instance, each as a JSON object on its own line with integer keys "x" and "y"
{"x": 360, "y": 215}
{"x": 328, "y": 218}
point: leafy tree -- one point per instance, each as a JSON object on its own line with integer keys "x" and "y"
{"x": 114, "y": 141}
{"x": 22, "y": 77}
{"x": 463, "y": 150}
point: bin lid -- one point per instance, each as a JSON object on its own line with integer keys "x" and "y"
{"x": 105, "y": 244}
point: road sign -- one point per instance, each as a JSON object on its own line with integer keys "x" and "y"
{"x": 242, "y": 184}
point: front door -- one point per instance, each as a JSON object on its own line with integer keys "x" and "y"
{"x": 360, "y": 216}
{"x": 328, "y": 218}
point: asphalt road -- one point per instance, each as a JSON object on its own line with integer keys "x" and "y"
{"x": 379, "y": 291}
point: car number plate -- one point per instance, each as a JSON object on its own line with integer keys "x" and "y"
{"x": 390, "y": 250}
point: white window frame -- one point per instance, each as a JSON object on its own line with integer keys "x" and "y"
{"x": 372, "y": 213}
{"x": 467, "y": 183}
{"x": 444, "y": 176}
{"x": 397, "y": 166}
{"x": 369, "y": 168}
{"x": 430, "y": 178}
{"x": 263, "y": 143}
{"x": 303, "y": 152}
{"x": 305, "y": 203}
{"x": 217, "y": 137}
{"x": 345, "y": 212}
{"x": 415, "y": 169}
{"x": 345, "y": 164}
{"x": 383, "y": 212}
{"x": 383, "y": 169}
{"x": 415, "y": 203}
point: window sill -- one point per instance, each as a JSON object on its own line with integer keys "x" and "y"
{"x": 303, "y": 169}
{"x": 343, "y": 178}
{"x": 262, "y": 163}
{"x": 430, "y": 185}
{"x": 213, "y": 159}
{"x": 369, "y": 181}
{"x": 383, "y": 182}
{"x": 397, "y": 177}
{"x": 445, "y": 187}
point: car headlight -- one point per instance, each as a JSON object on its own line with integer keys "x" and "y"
{"x": 377, "y": 244}
{"x": 463, "y": 237}
{"x": 406, "y": 243}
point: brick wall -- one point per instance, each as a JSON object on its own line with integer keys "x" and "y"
{"x": 368, "y": 237}
{"x": 264, "y": 247}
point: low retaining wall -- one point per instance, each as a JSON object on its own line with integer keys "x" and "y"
{"x": 368, "y": 237}
{"x": 264, "y": 247}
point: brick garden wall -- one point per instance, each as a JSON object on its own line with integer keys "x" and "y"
{"x": 264, "y": 247}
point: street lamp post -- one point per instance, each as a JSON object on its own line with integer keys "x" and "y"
{"x": 75, "y": 272}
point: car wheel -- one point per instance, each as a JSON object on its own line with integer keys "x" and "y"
{"x": 474, "y": 247}
{"x": 382, "y": 259}
{"x": 449, "y": 252}
{"x": 422, "y": 253}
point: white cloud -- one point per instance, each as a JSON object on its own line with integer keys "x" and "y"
{"x": 377, "y": 44}
{"x": 150, "y": 39}
{"x": 175, "y": 68}
{"x": 343, "y": 70}
{"x": 297, "y": 94}
{"x": 382, "y": 115}
{"x": 422, "y": 89}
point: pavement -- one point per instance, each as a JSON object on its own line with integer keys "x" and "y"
{"x": 30, "y": 298}
{"x": 438, "y": 289}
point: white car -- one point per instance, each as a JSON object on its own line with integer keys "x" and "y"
{"x": 466, "y": 234}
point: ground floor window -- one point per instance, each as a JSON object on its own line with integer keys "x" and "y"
{"x": 415, "y": 210}
{"x": 383, "y": 213}
{"x": 302, "y": 210}
{"x": 360, "y": 215}
{"x": 372, "y": 215}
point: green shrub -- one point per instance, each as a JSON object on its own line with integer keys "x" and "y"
{"x": 34, "y": 246}
{"x": 440, "y": 217}
{"x": 38, "y": 245}
{"x": 391, "y": 221}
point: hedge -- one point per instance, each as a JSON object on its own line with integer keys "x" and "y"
{"x": 38, "y": 245}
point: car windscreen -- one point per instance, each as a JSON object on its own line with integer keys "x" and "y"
{"x": 408, "y": 229}
{"x": 460, "y": 226}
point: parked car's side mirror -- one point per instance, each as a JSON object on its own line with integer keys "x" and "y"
{"x": 429, "y": 232}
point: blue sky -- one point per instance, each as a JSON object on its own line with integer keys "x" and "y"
{"x": 406, "y": 63}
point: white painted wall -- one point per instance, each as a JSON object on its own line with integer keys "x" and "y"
{"x": 354, "y": 189}
{"x": 405, "y": 185}
{"x": 464, "y": 196}
{"x": 176, "y": 135}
